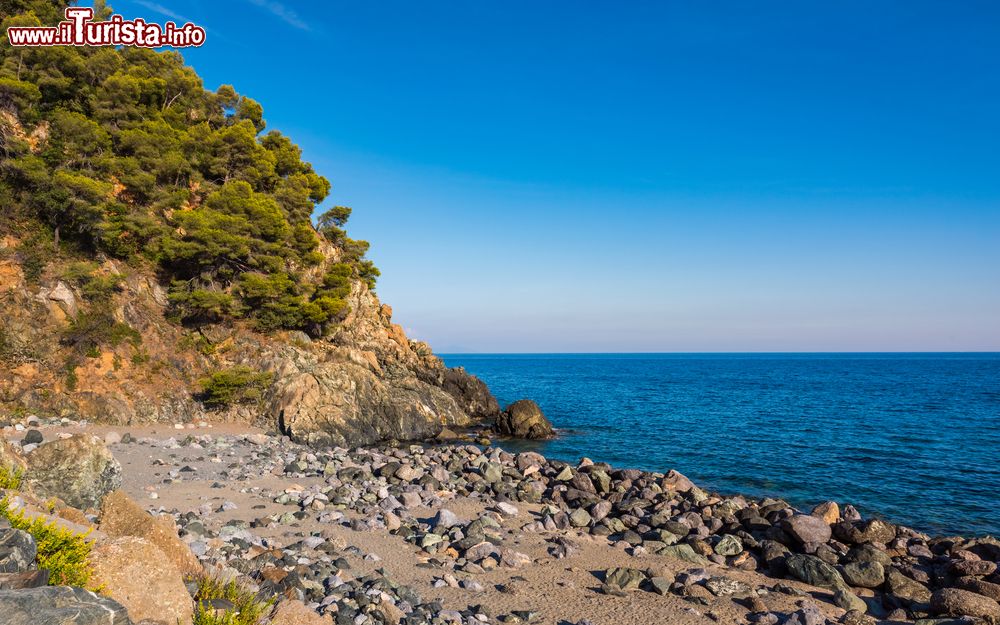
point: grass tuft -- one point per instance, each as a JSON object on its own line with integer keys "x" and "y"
{"x": 248, "y": 608}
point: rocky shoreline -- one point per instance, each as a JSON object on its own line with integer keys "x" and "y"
{"x": 466, "y": 534}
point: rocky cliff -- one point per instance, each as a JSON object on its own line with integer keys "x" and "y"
{"x": 365, "y": 382}
{"x": 163, "y": 256}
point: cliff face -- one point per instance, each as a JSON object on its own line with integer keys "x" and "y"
{"x": 161, "y": 258}
{"x": 364, "y": 383}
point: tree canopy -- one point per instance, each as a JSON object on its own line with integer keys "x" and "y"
{"x": 123, "y": 152}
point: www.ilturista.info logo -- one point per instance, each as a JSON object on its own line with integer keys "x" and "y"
{"x": 79, "y": 29}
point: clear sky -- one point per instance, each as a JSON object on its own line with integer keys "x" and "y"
{"x": 646, "y": 176}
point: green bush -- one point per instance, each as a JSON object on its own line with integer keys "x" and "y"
{"x": 65, "y": 554}
{"x": 93, "y": 329}
{"x": 10, "y": 478}
{"x": 249, "y": 608}
{"x": 236, "y": 385}
{"x": 35, "y": 252}
{"x": 200, "y": 305}
{"x": 94, "y": 286}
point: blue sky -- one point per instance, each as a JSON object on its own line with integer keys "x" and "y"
{"x": 646, "y": 176}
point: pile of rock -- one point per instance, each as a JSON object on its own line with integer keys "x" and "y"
{"x": 869, "y": 565}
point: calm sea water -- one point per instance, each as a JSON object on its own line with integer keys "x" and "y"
{"x": 914, "y": 438}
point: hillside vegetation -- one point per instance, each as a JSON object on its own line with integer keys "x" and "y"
{"x": 159, "y": 261}
{"x": 123, "y": 154}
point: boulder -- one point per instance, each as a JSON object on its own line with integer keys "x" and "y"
{"x": 729, "y": 545}
{"x": 622, "y": 578}
{"x": 79, "y": 470}
{"x": 849, "y": 601}
{"x": 136, "y": 573}
{"x": 812, "y": 570}
{"x": 26, "y": 579}
{"x": 676, "y": 482}
{"x": 864, "y": 574}
{"x": 874, "y": 531}
{"x": 906, "y": 591}
{"x": 62, "y": 296}
{"x": 445, "y": 518}
{"x": 979, "y": 586}
{"x": 371, "y": 384}
{"x": 807, "y": 528}
{"x": 17, "y": 551}
{"x": 60, "y": 605}
{"x": 684, "y": 552}
{"x": 524, "y": 419}
{"x": 974, "y": 568}
{"x": 344, "y": 403}
{"x": 956, "y": 602}
{"x": 120, "y": 516}
{"x": 727, "y": 587}
{"x": 829, "y": 511}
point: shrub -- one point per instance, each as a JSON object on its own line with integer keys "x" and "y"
{"x": 72, "y": 379}
{"x": 64, "y": 553}
{"x": 35, "y": 253}
{"x": 237, "y": 385}
{"x": 10, "y": 478}
{"x": 199, "y": 305}
{"x": 90, "y": 330}
{"x": 94, "y": 286}
{"x": 248, "y": 607}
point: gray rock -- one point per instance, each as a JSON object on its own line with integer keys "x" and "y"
{"x": 27, "y": 579}
{"x": 623, "y": 578}
{"x": 660, "y": 585}
{"x": 684, "y": 552}
{"x": 849, "y": 601}
{"x": 579, "y": 518}
{"x": 59, "y": 605}
{"x": 17, "y": 551}
{"x": 600, "y": 510}
{"x": 524, "y": 419}
{"x": 726, "y": 587}
{"x": 974, "y": 568}
{"x": 956, "y": 602}
{"x": 864, "y": 574}
{"x": 808, "y": 615}
{"x": 729, "y": 546}
{"x": 812, "y": 570}
{"x": 901, "y": 587}
{"x": 79, "y": 470}
{"x": 869, "y": 553}
{"x": 445, "y": 518}
{"x": 32, "y": 437}
{"x": 807, "y": 528}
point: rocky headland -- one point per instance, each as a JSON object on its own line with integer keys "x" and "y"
{"x": 451, "y": 532}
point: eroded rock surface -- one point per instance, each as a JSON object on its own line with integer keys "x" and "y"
{"x": 524, "y": 419}
{"x": 79, "y": 470}
{"x": 60, "y": 604}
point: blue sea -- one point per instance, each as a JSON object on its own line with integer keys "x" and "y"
{"x": 913, "y": 438}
